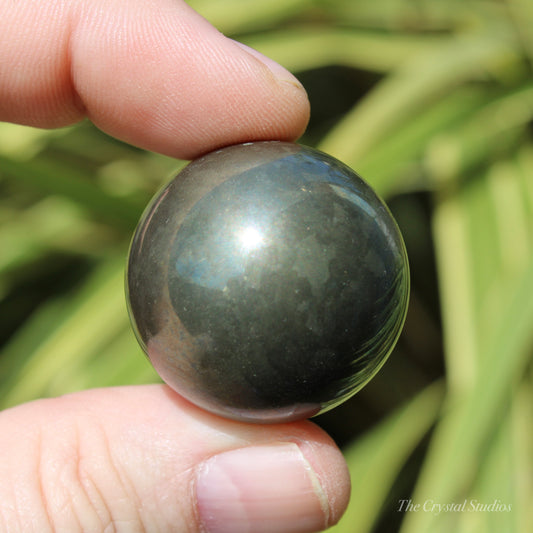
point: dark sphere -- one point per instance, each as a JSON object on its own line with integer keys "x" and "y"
{"x": 267, "y": 282}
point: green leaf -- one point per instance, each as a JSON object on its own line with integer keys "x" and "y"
{"x": 238, "y": 16}
{"x": 413, "y": 87}
{"x": 53, "y": 177}
{"x": 496, "y": 359}
{"x": 398, "y": 164}
{"x": 522, "y": 15}
{"x": 49, "y": 224}
{"x": 376, "y": 458}
{"x": 82, "y": 326}
{"x": 306, "y": 48}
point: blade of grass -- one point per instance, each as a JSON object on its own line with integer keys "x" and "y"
{"x": 50, "y": 224}
{"x": 454, "y": 452}
{"x": 522, "y": 16}
{"x": 237, "y": 16}
{"x": 482, "y": 230}
{"x": 497, "y": 128}
{"x": 513, "y": 239}
{"x": 459, "y": 132}
{"x": 522, "y": 452}
{"x": 306, "y": 48}
{"x": 524, "y": 161}
{"x": 494, "y": 484}
{"x": 23, "y": 142}
{"x": 500, "y": 350}
{"x": 412, "y": 88}
{"x": 397, "y": 163}
{"x": 376, "y": 459}
{"x": 94, "y": 316}
{"x": 119, "y": 361}
{"x": 122, "y": 362}
{"x": 455, "y": 288}
{"x": 422, "y": 16}
{"x": 53, "y": 178}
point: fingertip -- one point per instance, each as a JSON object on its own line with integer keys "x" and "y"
{"x": 154, "y": 74}
{"x": 174, "y": 84}
{"x": 281, "y": 74}
{"x": 332, "y": 471}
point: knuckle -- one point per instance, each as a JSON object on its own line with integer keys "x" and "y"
{"x": 81, "y": 486}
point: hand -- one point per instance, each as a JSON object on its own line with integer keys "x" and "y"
{"x": 157, "y": 75}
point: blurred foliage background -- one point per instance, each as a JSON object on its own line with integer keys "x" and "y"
{"x": 432, "y": 102}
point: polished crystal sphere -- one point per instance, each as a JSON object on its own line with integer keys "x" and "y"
{"x": 267, "y": 282}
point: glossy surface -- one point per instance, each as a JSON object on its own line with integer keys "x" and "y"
{"x": 267, "y": 282}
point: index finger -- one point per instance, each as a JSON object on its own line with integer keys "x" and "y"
{"x": 152, "y": 73}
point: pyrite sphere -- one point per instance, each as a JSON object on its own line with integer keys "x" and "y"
{"x": 267, "y": 282}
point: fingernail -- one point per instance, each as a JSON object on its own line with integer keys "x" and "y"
{"x": 260, "y": 489}
{"x": 281, "y": 73}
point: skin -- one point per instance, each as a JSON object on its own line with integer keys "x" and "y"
{"x": 155, "y": 74}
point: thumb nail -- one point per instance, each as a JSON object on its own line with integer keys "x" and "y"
{"x": 260, "y": 489}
